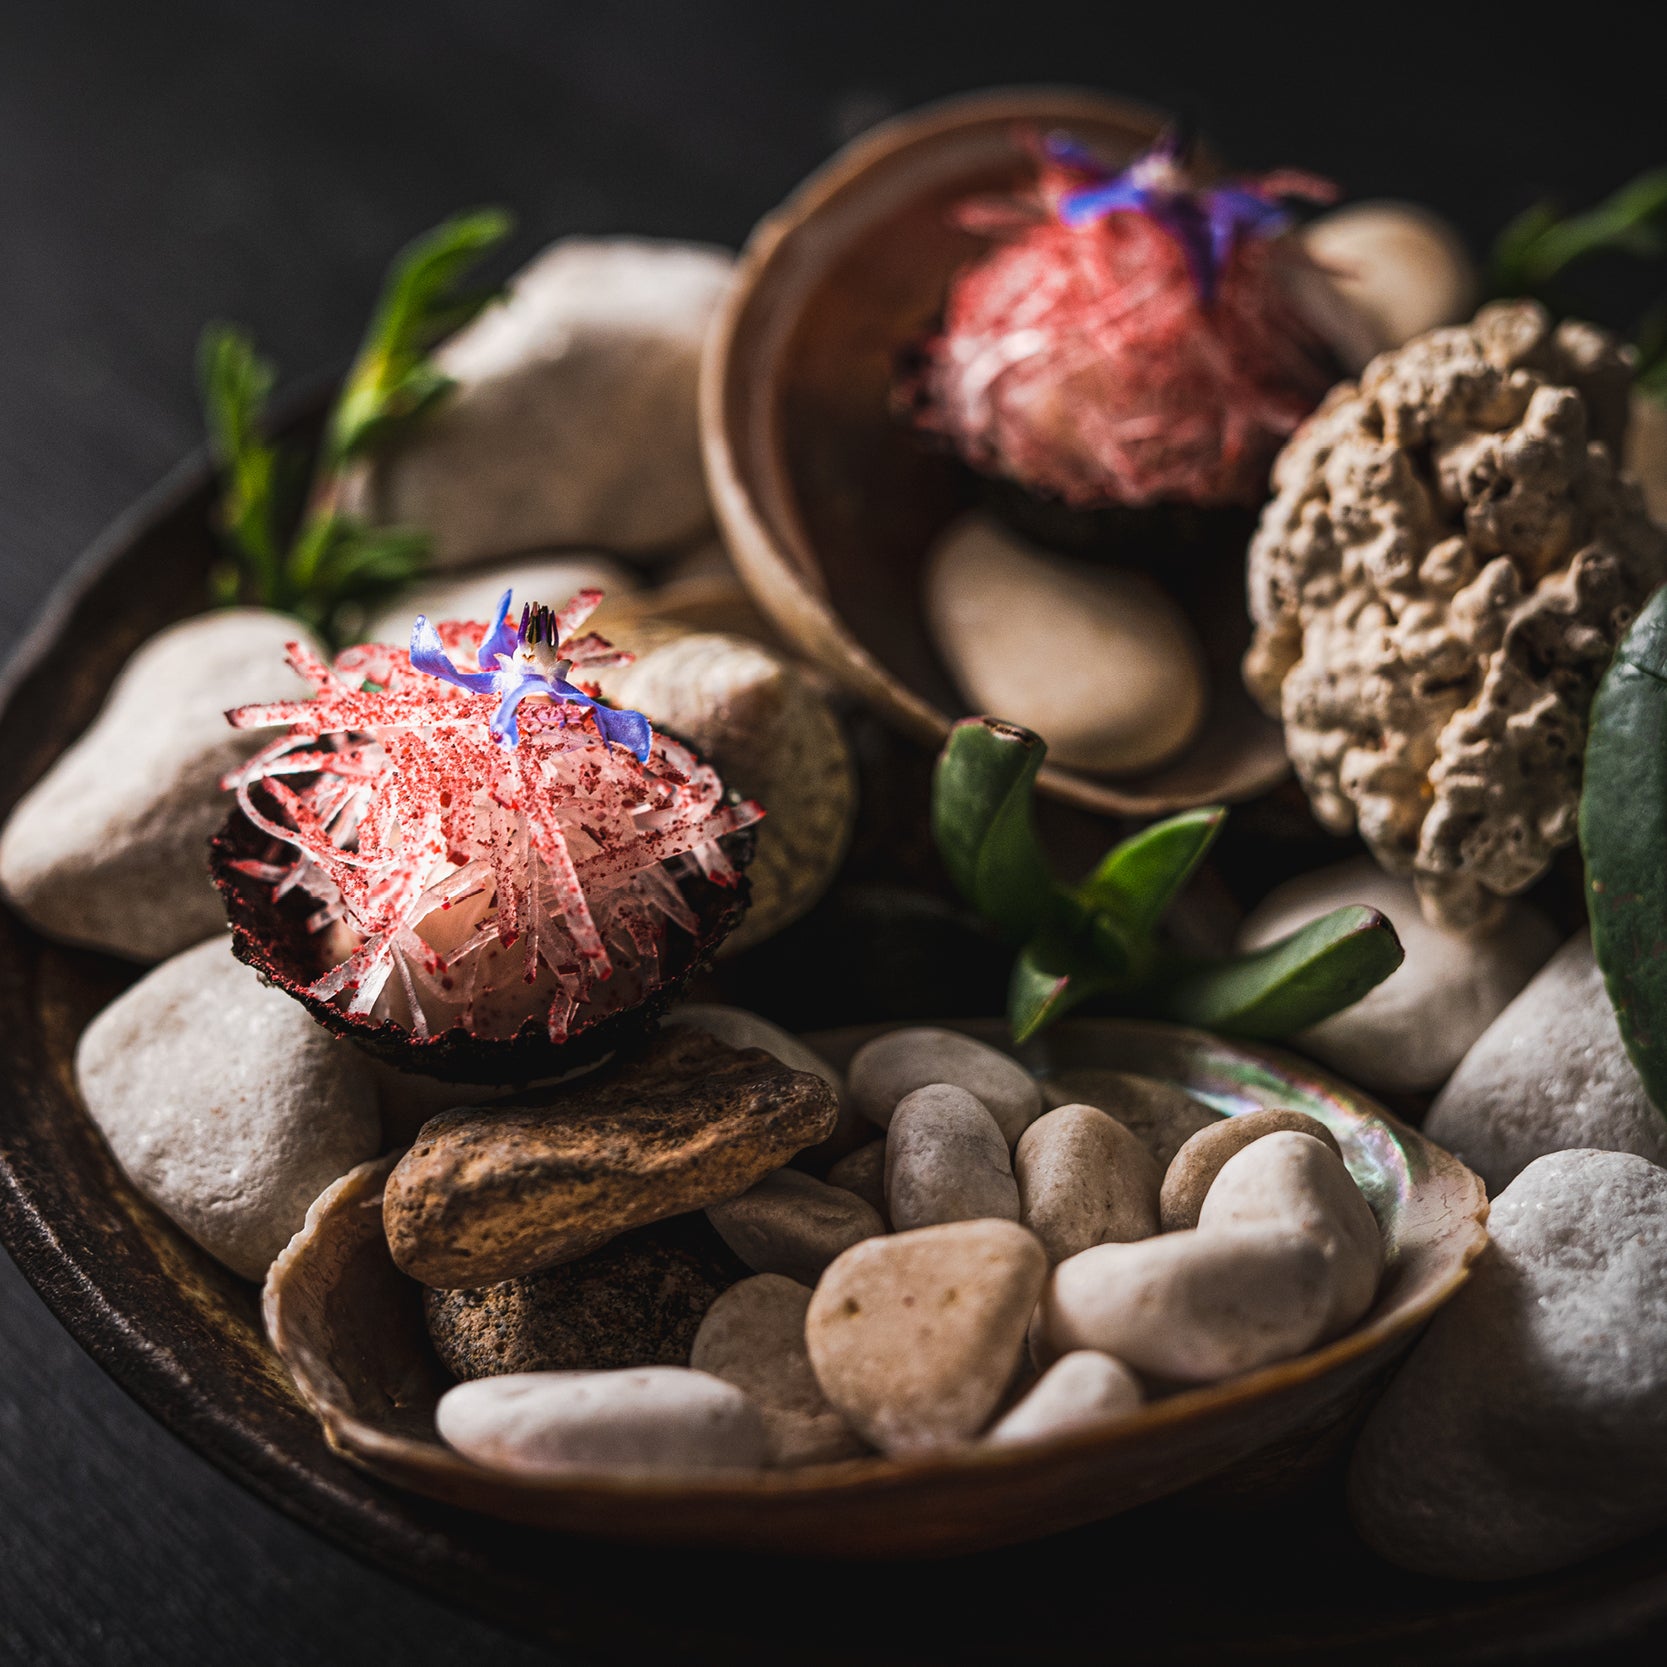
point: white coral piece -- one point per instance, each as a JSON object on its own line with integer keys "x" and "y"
{"x": 1437, "y": 588}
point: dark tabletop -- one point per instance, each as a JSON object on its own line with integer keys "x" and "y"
{"x": 163, "y": 162}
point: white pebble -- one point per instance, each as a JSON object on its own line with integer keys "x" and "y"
{"x": 1080, "y": 1390}
{"x": 1528, "y": 1428}
{"x": 573, "y": 419}
{"x": 230, "y": 1108}
{"x": 896, "y": 1064}
{"x": 110, "y": 847}
{"x": 648, "y": 1419}
{"x": 1291, "y": 1180}
{"x": 1191, "y": 1306}
{"x": 1550, "y": 1074}
{"x": 946, "y": 1161}
{"x": 1401, "y": 268}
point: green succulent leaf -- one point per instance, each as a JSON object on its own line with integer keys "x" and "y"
{"x": 1623, "y": 836}
{"x": 1051, "y": 975}
{"x": 1137, "y": 880}
{"x": 1318, "y": 970}
{"x": 984, "y": 827}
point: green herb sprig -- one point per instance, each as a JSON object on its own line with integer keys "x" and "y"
{"x": 1535, "y": 254}
{"x": 292, "y": 541}
{"x": 1101, "y": 939}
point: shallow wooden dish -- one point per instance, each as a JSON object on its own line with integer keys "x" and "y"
{"x": 349, "y": 1327}
{"x": 1231, "y": 1572}
{"x": 828, "y": 504}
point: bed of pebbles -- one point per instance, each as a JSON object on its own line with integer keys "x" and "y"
{"x": 989, "y": 1267}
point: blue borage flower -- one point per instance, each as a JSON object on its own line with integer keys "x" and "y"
{"x": 534, "y": 660}
{"x": 1207, "y": 223}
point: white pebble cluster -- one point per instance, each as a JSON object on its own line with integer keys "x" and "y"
{"x": 990, "y": 1271}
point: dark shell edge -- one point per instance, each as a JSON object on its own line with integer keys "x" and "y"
{"x": 272, "y": 938}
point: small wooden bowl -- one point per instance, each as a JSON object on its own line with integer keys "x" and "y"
{"x": 349, "y": 1327}
{"x": 829, "y": 504}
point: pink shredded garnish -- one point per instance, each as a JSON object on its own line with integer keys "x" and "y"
{"x": 1082, "y": 358}
{"x": 460, "y": 882}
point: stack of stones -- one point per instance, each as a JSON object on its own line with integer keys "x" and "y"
{"x": 724, "y": 1256}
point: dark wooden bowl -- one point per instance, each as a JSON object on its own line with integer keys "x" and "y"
{"x": 829, "y": 504}
{"x": 1224, "y": 1574}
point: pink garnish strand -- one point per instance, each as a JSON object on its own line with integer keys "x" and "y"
{"x": 464, "y": 882}
{"x": 1083, "y": 361}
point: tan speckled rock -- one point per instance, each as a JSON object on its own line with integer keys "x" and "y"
{"x": 659, "y": 1420}
{"x": 754, "y": 1337}
{"x": 1079, "y": 1391}
{"x": 898, "y": 1063}
{"x": 1291, "y": 1180}
{"x": 946, "y": 1160}
{"x": 1197, "y": 1164}
{"x": 1085, "y": 1179}
{"x": 490, "y": 1194}
{"x": 638, "y": 1301}
{"x": 916, "y": 1337}
{"x": 791, "y": 1223}
{"x": 771, "y": 734}
{"x": 226, "y": 1104}
{"x": 110, "y": 847}
{"x": 1163, "y": 1116}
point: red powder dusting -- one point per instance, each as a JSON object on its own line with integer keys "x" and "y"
{"x": 460, "y": 881}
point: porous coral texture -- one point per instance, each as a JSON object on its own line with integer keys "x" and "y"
{"x": 1437, "y": 589}
{"x": 464, "y": 883}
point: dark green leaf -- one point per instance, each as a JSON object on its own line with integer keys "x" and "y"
{"x": 1050, "y": 977}
{"x": 982, "y": 822}
{"x": 1139, "y": 879}
{"x": 1318, "y": 970}
{"x": 1623, "y": 835}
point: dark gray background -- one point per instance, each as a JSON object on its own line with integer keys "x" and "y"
{"x": 164, "y": 163}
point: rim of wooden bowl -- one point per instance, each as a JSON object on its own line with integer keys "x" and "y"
{"x": 1434, "y": 1207}
{"x": 753, "y": 496}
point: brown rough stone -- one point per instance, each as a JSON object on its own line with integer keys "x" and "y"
{"x": 488, "y": 1194}
{"x": 638, "y": 1301}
